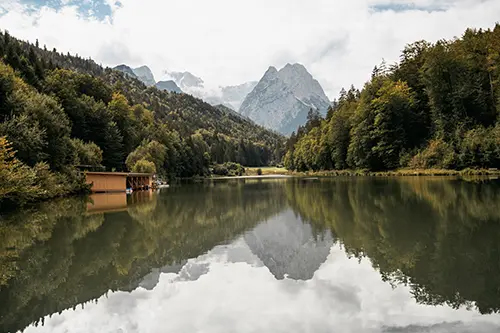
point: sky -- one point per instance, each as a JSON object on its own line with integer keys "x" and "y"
{"x": 229, "y": 42}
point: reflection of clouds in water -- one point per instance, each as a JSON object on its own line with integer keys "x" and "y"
{"x": 455, "y": 327}
{"x": 345, "y": 295}
{"x": 229, "y": 290}
{"x": 193, "y": 271}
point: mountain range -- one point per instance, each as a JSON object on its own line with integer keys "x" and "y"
{"x": 145, "y": 75}
{"x": 230, "y": 96}
{"x": 280, "y": 101}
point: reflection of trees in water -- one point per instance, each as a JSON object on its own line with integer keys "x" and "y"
{"x": 440, "y": 236}
{"x": 57, "y": 256}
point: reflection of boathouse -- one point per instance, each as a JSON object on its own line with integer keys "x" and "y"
{"x": 118, "y": 181}
{"x": 117, "y": 201}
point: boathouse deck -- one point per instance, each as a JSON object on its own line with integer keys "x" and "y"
{"x": 118, "y": 181}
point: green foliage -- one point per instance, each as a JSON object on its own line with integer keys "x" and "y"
{"x": 22, "y": 184}
{"x": 152, "y": 152}
{"x": 29, "y": 138}
{"x": 259, "y": 172}
{"x": 113, "y": 147}
{"x": 480, "y": 147}
{"x": 438, "y": 154}
{"x": 19, "y": 182}
{"x": 144, "y": 166}
{"x": 438, "y": 108}
{"x": 228, "y": 169}
{"x": 88, "y": 154}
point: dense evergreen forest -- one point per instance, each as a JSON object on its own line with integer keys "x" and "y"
{"x": 438, "y": 108}
{"x": 60, "y": 111}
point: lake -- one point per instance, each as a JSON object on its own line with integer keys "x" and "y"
{"x": 285, "y": 255}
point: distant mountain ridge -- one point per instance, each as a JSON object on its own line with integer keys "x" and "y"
{"x": 235, "y": 95}
{"x": 168, "y": 86}
{"x": 230, "y": 96}
{"x": 144, "y": 74}
{"x": 282, "y": 99}
{"x": 126, "y": 70}
{"x": 185, "y": 80}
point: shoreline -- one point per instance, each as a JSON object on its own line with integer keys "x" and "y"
{"x": 251, "y": 177}
{"x": 365, "y": 173}
{"x": 401, "y": 173}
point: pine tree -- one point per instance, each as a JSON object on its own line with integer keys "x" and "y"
{"x": 113, "y": 153}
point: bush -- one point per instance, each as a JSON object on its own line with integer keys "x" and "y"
{"x": 144, "y": 166}
{"x": 21, "y": 184}
{"x": 438, "y": 154}
{"x": 259, "y": 172}
{"x": 19, "y": 181}
{"x": 152, "y": 151}
{"x": 88, "y": 154}
{"x": 228, "y": 169}
{"x": 220, "y": 170}
{"x": 480, "y": 148}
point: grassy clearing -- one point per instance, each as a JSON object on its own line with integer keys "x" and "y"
{"x": 266, "y": 171}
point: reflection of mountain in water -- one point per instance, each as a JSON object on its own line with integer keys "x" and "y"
{"x": 288, "y": 247}
{"x": 151, "y": 280}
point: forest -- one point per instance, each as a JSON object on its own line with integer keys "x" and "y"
{"x": 438, "y": 108}
{"x": 59, "y": 113}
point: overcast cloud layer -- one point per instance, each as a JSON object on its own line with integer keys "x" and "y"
{"x": 228, "y": 42}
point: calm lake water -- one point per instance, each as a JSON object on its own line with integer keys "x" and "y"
{"x": 289, "y": 255}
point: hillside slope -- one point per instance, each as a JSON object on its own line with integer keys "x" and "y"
{"x": 58, "y": 111}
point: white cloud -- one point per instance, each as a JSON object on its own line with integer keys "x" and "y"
{"x": 228, "y": 42}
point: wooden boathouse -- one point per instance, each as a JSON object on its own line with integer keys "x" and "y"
{"x": 118, "y": 181}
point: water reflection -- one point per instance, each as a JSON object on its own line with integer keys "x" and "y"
{"x": 440, "y": 236}
{"x": 61, "y": 255}
{"x": 288, "y": 248}
{"x": 352, "y": 255}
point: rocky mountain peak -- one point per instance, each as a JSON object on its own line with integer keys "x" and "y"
{"x": 185, "y": 80}
{"x": 125, "y": 69}
{"x": 271, "y": 72}
{"x": 144, "y": 74}
{"x": 282, "y": 99}
{"x": 169, "y": 86}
